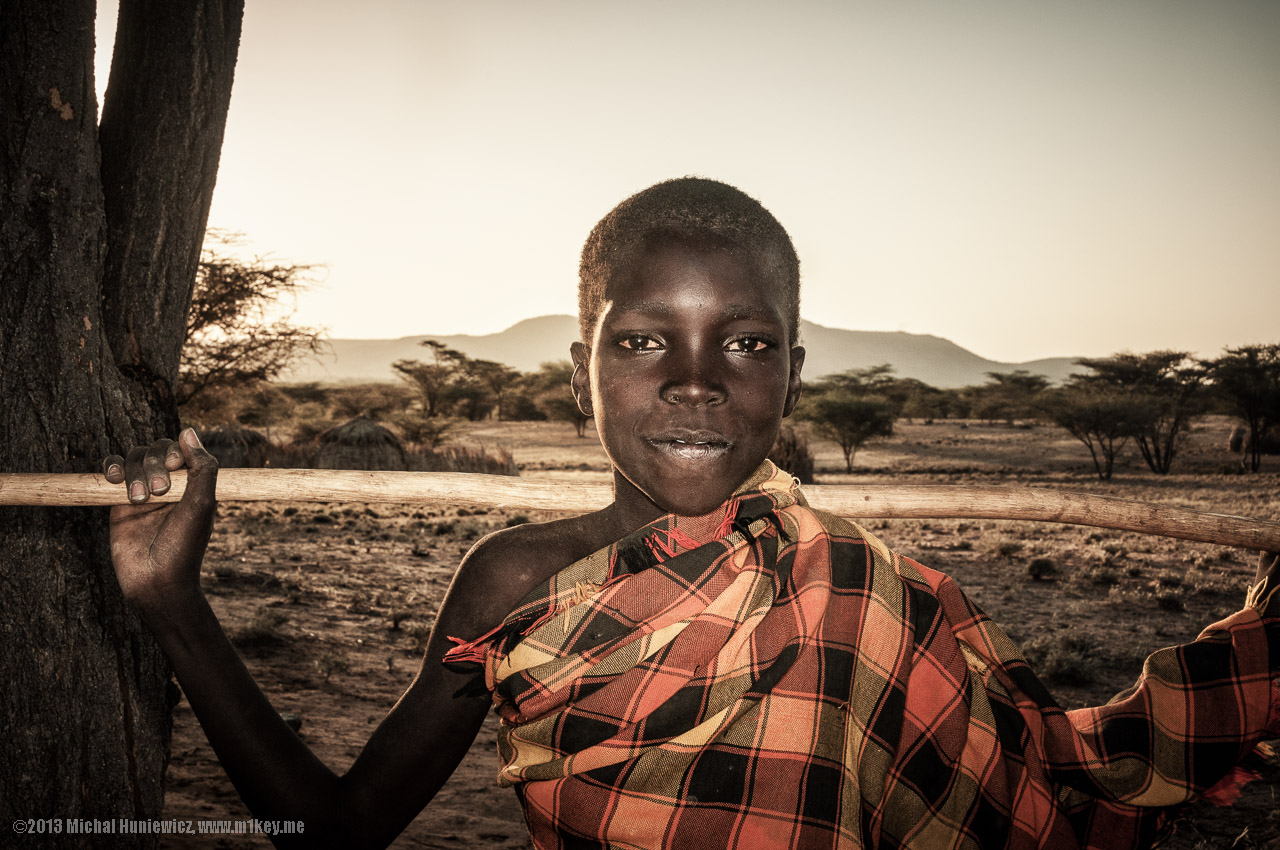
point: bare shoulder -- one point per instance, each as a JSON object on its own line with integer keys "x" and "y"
{"x": 504, "y": 566}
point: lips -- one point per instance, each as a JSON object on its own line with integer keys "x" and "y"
{"x": 688, "y": 444}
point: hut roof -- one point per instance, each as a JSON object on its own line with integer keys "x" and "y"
{"x": 237, "y": 446}
{"x": 360, "y": 444}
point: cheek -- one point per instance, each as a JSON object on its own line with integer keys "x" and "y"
{"x": 620, "y": 392}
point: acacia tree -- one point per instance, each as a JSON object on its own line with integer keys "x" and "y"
{"x": 100, "y": 231}
{"x": 1097, "y": 416}
{"x": 1164, "y": 390}
{"x": 872, "y": 379}
{"x": 1008, "y": 395}
{"x": 433, "y": 379}
{"x": 849, "y": 419}
{"x": 238, "y": 334}
{"x": 1248, "y": 379}
{"x": 497, "y": 379}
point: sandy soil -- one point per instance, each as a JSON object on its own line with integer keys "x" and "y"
{"x": 330, "y": 604}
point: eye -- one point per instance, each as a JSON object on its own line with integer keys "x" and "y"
{"x": 748, "y": 344}
{"x": 639, "y": 342}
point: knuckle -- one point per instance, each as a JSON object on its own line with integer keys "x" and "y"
{"x": 205, "y": 462}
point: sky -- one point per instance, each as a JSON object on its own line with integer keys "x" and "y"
{"x": 1026, "y": 179}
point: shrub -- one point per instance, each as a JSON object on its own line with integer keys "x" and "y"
{"x": 1042, "y": 568}
{"x": 1102, "y": 575}
{"x": 471, "y": 529}
{"x": 791, "y": 453}
{"x": 462, "y": 459}
{"x": 263, "y": 630}
{"x": 332, "y": 662}
{"x": 1066, "y": 659}
{"x": 1008, "y": 548}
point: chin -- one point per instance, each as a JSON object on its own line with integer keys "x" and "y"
{"x": 686, "y": 506}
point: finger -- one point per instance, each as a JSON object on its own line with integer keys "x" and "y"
{"x": 113, "y": 469}
{"x": 153, "y": 467}
{"x": 135, "y": 475}
{"x": 173, "y": 457}
{"x": 203, "y": 476}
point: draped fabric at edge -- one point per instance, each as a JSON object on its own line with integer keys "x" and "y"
{"x": 773, "y": 676}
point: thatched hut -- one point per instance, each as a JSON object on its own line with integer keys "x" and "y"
{"x": 360, "y": 444}
{"x": 237, "y": 446}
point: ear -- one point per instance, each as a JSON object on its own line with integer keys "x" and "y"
{"x": 580, "y": 383}
{"x": 793, "y": 381}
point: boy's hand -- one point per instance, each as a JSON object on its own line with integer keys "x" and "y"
{"x": 1268, "y": 576}
{"x": 157, "y": 549}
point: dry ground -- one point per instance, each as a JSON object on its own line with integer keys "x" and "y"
{"x": 330, "y": 603}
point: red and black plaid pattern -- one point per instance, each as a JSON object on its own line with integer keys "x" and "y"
{"x": 773, "y": 676}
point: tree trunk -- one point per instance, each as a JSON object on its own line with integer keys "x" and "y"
{"x": 98, "y": 250}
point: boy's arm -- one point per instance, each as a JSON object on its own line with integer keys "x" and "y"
{"x": 157, "y": 551}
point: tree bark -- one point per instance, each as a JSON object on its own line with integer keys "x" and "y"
{"x": 94, "y": 285}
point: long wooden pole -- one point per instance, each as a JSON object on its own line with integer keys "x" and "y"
{"x": 878, "y": 501}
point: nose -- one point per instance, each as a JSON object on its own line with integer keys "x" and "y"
{"x": 694, "y": 381}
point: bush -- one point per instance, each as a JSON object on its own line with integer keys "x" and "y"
{"x": 462, "y": 459}
{"x": 263, "y": 630}
{"x": 1042, "y": 568}
{"x": 791, "y": 453}
{"x": 471, "y": 529}
{"x": 1067, "y": 659}
{"x": 1008, "y": 548}
{"x": 332, "y": 662}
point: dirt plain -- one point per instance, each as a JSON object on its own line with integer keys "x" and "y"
{"x": 330, "y": 604}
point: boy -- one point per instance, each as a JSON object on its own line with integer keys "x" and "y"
{"x": 707, "y": 661}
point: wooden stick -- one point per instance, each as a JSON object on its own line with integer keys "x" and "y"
{"x": 878, "y": 501}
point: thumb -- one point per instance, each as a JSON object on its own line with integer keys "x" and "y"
{"x": 202, "y": 478}
{"x": 186, "y": 529}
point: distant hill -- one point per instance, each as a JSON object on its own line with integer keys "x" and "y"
{"x": 525, "y": 345}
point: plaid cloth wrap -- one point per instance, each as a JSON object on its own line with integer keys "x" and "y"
{"x": 774, "y": 676}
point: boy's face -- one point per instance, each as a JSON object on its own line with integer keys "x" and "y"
{"x": 690, "y": 373}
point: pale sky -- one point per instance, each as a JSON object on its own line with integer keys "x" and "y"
{"x": 1025, "y": 179}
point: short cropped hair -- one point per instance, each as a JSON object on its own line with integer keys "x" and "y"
{"x": 689, "y": 209}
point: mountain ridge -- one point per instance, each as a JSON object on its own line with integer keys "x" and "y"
{"x": 528, "y": 343}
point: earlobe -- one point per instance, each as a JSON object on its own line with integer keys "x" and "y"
{"x": 580, "y": 383}
{"x": 793, "y": 381}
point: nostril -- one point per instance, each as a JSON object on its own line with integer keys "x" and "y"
{"x": 693, "y": 392}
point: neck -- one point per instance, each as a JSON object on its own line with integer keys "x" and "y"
{"x": 631, "y": 508}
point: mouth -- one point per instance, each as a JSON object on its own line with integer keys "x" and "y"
{"x": 691, "y": 445}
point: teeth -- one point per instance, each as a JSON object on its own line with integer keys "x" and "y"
{"x": 694, "y": 450}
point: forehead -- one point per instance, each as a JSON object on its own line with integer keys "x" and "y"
{"x": 683, "y": 275}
